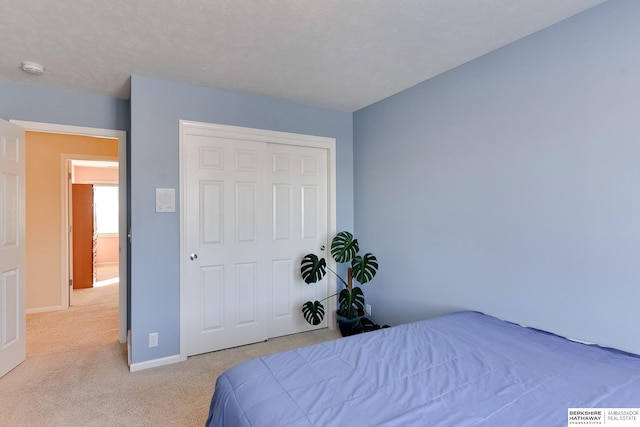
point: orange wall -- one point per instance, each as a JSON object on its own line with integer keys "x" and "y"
{"x": 44, "y": 207}
{"x": 107, "y": 249}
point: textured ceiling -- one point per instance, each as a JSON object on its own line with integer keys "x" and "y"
{"x": 342, "y": 54}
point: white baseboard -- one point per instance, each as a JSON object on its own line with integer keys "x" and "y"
{"x": 154, "y": 363}
{"x": 44, "y": 309}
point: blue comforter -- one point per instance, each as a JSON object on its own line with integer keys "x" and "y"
{"x": 463, "y": 369}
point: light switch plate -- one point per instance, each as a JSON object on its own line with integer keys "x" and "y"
{"x": 165, "y": 199}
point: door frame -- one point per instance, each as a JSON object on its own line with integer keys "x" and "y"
{"x": 121, "y": 136}
{"x": 244, "y": 133}
{"x": 66, "y": 230}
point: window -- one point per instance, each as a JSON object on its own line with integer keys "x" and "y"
{"x": 105, "y": 199}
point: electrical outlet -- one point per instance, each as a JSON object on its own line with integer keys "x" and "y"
{"x": 153, "y": 339}
{"x": 367, "y": 309}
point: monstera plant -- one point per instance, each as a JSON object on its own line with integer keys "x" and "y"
{"x": 351, "y": 302}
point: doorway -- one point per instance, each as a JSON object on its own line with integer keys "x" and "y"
{"x": 60, "y": 295}
{"x": 94, "y": 220}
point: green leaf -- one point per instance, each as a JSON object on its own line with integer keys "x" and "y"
{"x": 364, "y": 267}
{"x": 344, "y": 247}
{"x": 351, "y": 303}
{"x": 313, "y": 312}
{"x": 312, "y": 268}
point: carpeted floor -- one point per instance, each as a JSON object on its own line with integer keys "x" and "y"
{"x": 76, "y": 372}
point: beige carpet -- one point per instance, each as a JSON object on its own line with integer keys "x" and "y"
{"x": 76, "y": 372}
{"x": 106, "y": 271}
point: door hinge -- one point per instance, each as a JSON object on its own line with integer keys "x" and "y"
{"x": 129, "y": 235}
{"x": 69, "y": 228}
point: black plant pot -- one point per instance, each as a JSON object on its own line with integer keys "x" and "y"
{"x": 349, "y": 326}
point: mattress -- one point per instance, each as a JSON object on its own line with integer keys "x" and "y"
{"x": 462, "y": 369}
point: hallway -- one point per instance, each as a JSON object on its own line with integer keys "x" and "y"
{"x": 91, "y": 321}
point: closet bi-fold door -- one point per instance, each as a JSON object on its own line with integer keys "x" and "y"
{"x": 252, "y": 210}
{"x": 298, "y": 226}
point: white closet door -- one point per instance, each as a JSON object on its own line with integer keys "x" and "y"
{"x": 227, "y": 223}
{"x": 299, "y": 226}
{"x": 251, "y": 210}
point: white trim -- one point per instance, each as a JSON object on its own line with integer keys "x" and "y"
{"x": 182, "y": 137}
{"x": 70, "y": 130}
{"x": 98, "y": 183}
{"x": 332, "y": 175}
{"x": 133, "y": 367}
{"x": 65, "y": 169}
{"x": 121, "y": 136}
{"x": 251, "y": 134}
{"x": 187, "y": 127}
{"x": 45, "y": 309}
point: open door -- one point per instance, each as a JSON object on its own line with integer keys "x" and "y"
{"x": 13, "y": 337}
{"x": 83, "y": 235}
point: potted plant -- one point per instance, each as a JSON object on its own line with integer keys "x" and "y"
{"x": 351, "y": 302}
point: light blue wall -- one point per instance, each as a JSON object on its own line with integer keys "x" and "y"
{"x": 511, "y": 185}
{"x": 156, "y": 108}
{"x": 35, "y": 104}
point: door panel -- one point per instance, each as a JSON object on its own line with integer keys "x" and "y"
{"x": 225, "y": 227}
{"x": 299, "y": 211}
{"x": 13, "y": 344}
{"x": 83, "y": 235}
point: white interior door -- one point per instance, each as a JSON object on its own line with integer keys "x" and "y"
{"x": 299, "y": 226}
{"x": 13, "y": 341}
{"x": 250, "y": 209}
{"x": 225, "y": 226}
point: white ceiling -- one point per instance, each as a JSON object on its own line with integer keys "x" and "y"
{"x": 341, "y": 54}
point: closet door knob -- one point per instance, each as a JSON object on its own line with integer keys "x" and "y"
{"x": 193, "y": 257}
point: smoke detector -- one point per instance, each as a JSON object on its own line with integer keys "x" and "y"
{"x": 32, "y": 68}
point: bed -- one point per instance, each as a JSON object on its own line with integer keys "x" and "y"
{"x": 462, "y": 369}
